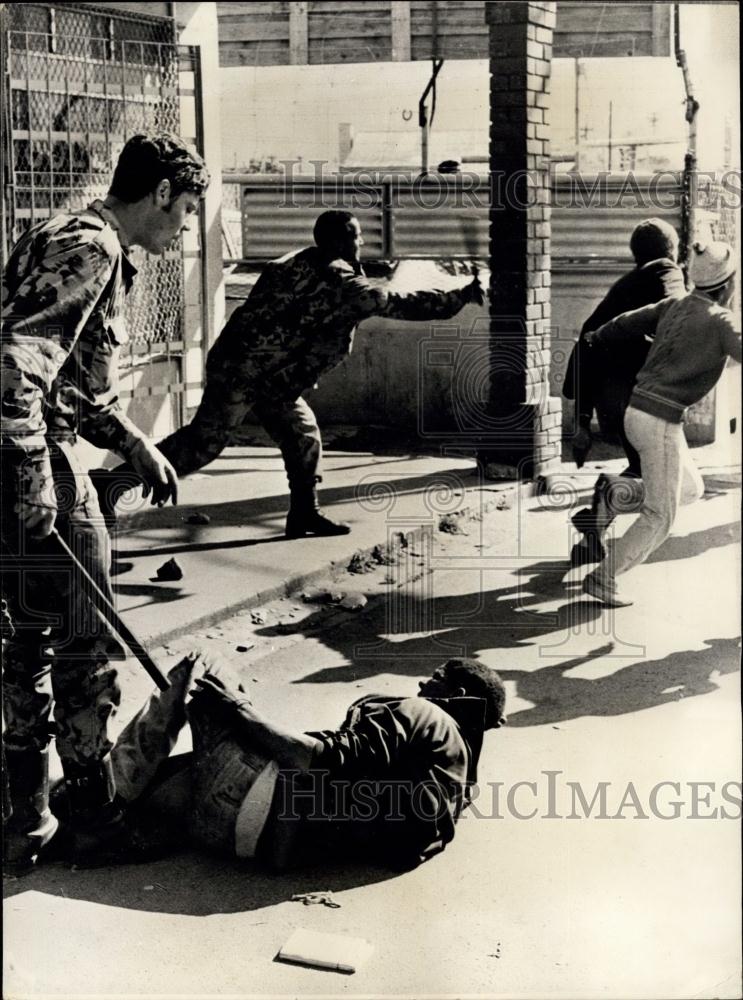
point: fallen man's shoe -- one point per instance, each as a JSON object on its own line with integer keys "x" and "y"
{"x": 605, "y": 592}
{"x": 117, "y": 842}
{"x": 313, "y": 522}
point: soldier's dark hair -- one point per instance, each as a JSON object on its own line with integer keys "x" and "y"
{"x": 146, "y": 160}
{"x": 653, "y": 239}
{"x": 331, "y": 227}
{"x": 479, "y": 681}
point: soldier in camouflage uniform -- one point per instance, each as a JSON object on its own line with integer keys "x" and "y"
{"x": 63, "y": 296}
{"x": 297, "y": 323}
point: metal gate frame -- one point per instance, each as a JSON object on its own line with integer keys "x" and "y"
{"x": 77, "y": 81}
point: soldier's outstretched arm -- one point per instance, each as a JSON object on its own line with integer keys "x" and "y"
{"x": 362, "y": 299}
{"x": 426, "y": 305}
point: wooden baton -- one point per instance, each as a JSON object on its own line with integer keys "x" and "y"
{"x": 110, "y": 615}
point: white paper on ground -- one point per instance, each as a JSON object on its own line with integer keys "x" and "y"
{"x": 326, "y": 951}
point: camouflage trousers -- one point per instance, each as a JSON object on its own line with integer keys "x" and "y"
{"x": 60, "y": 659}
{"x": 226, "y": 404}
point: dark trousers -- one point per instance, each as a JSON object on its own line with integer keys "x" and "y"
{"x": 225, "y": 406}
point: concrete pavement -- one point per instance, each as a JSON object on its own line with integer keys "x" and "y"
{"x": 638, "y": 903}
{"x": 241, "y": 557}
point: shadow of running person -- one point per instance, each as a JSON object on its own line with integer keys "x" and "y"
{"x": 647, "y": 684}
{"x": 697, "y": 542}
{"x": 410, "y": 633}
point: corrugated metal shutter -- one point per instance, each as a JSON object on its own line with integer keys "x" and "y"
{"x": 278, "y": 218}
{"x": 592, "y": 218}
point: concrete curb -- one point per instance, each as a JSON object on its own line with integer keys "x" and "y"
{"x": 290, "y": 585}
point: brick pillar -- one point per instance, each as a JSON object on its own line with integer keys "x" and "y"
{"x": 527, "y": 423}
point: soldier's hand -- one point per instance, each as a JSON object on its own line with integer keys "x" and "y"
{"x": 37, "y": 518}
{"x": 476, "y": 291}
{"x": 158, "y": 475}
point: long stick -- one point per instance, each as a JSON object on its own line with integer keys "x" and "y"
{"x": 107, "y": 611}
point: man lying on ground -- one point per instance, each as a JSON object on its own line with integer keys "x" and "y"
{"x": 390, "y": 782}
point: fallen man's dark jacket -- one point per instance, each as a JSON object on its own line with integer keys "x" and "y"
{"x": 393, "y": 779}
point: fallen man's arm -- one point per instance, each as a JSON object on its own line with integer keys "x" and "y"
{"x": 291, "y": 750}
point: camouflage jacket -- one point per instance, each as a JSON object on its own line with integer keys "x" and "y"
{"x": 62, "y": 326}
{"x": 298, "y": 321}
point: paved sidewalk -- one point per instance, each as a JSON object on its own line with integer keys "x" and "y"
{"x": 536, "y": 897}
{"x": 241, "y": 558}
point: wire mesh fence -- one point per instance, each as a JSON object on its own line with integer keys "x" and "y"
{"x": 80, "y": 82}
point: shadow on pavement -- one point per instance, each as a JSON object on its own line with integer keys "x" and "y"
{"x": 171, "y": 550}
{"x": 558, "y": 698}
{"x": 694, "y": 544}
{"x": 258, "y": 510}
{"x": 461, "y": 625}
{"x": 194, "y": 884}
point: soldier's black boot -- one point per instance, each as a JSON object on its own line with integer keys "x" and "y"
{"x": 306, "y": 518}
{"x": 101, "y": 833}
{"x": 30, "y": 825}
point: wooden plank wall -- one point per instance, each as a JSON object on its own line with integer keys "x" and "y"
{"x": 151, "y": 9}
{"x": 337, "y": 31}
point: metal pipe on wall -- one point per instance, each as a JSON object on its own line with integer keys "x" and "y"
{"x": 690, "y": 195}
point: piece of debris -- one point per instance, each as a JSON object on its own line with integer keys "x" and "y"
{"x": 311, "y": 595}
{"x": 361, "y": 562}
{"x": 353, "y": 602}
{"x": 169, "y": 570}
{"x": 325, "y": 898}
{"x": 197, "y": 518}
{"x": 322, "y": 595}
{"x": 258, "y": 617}
{"x": 503, "y": 503}
{"x": 244, "y": 647}
{"x": 382, "y": 556}
{"x": 213, "y": 635}
{"x": 450, "y": 524}
{"x": 367, "y": 562}
{"x": 335, "y": 952}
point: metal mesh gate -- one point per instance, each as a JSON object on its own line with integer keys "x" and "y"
{"x": 78, "y": 81}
